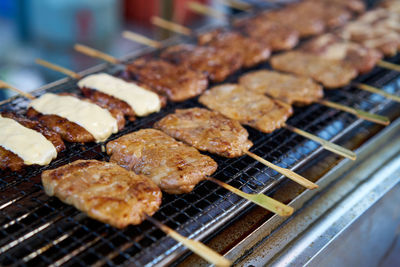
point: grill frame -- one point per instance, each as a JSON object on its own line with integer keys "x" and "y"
{"x": 62, "y": 218}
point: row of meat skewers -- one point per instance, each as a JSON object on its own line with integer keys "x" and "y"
{"x": 201, "y": 128}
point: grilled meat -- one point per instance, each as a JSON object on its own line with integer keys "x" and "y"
{"x": 391, "y": 5}
{"x": 289, "y": 88}
{"x": 104, "y": 191}
{"x": 175, "y": 167}
{"x": 378, "y": 28}
{"x": 251, "y": 51}
{"x": 207, "y": 131}
{"x": 247, "y": 107}
{"x": 355, "y": 6}
{"x": 273, "y": 35}
{"x": 69, "y": 131}
{"x": 109, "y": 102}
{"x": 177, "y": 83}
{"x": 10, "y": 160}
{"x": 331, "y": 73}
{"x": 217, "y": 64}
{"x": 331, "y": 46}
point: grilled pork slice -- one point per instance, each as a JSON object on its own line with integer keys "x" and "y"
{"x": 12, "y": 161}
{"x": 378, "y": 28}
{"x": 217, "y": 64}
{"x": 105, "y": 100}
{"x": 176, "y": 82}
{"x": 175, "y": 167}
{"x": 289, "y": 88}
{"x": 69, "y": 131}
{"x": 273, "y": 35}
{"x": 331, "y": 73}
{"x": 104, "y": 191}
{"x": 249, "y": 108}
{"x": 252, "y": 51}
{"x": 331, "y": 46}
{"x": 207, "y": 131}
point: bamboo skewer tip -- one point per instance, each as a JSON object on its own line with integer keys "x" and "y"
{"x": 55, "y": 67}
{"x": 141, "y": 39}
{"x": 4, "y": 85}
{"x": 195, "y": 246}
{"x": 378, "y": 91}
{"x": 95, "y": 53}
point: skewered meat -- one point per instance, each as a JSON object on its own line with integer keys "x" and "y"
{"x": 378, "y": 28}
{"x": 109, "y": 101}
{"x": 207, "y": 131}
{"x": 249, "y": 108}
{"x": 391, "y": 5}
{"x": 175, "y": 167}
{"x": 104, "y": 191}
{"x": 74, "y": 119}
{"x": 331, "y": 73}
{"x": 178, "y": 83}
{"x": 331, "y": 46}
{"x": 270, "y": 34}
{"x": 252, "y": 51}
{"x": 355, "y": 6}
{"x": 217, "y": 64}
{"x": 289, "y": 88}
{"x": 142, "y": 101}
{"x": 10, "y": 160}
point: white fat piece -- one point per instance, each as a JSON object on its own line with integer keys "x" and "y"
{"x": 142, "y": 101}
{"x": 96, "y": 120}
{"x": 31, "y": 146}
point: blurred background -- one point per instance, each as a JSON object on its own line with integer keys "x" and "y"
{"x": 48, "y": 29}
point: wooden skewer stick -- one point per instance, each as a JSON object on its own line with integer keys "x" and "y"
{"x": 326, "y": 144}
{"x": 205, "y": 10}
{"x": 259, "y": 199}
{"x": 378, "y": 91}
{"x": 141, "y": 39}
{"x": 288, "y": 173}
{"x": 4, "y": 85}
{"x": 358, "y": 112}
{"x": 171, "y": 26}
{"x": 239, "y": 5}
{"x": 195, "y": 246}
{"x": 388, "y": 65}
{"x": 96, "y": 53}
{"x": 58, "y": 68}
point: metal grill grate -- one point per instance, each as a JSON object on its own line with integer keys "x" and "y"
{"x": 36, "y": 229}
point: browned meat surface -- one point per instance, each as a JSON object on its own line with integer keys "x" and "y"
{"x": 104, "y": 191}
{"x": 207, "y": 131}
{"x": 177, "y": 83}
{"x": 331, "y": 73}
{"x": 289, "y": 88}
{"x": 9, "y": 160}
{"x": 270, "y": 34}
{"x": 52, "y": 136}
{"x": 293, "y": 19}
{"x": 378, "y": 28}
{"x": 109, "y": 102}
{"x": 69, "y": 131}
{"x": 247, "y": 107}
{"x": 175, "y": 167}
{"x": 217, "y": 64}
{"x": 331, "y": 46}
{"x": 251, "y": 51}
{"x": 355, "y": 6}
{"x": 391, "y": 5}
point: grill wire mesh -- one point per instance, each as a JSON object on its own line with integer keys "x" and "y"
{"x": 39, "y": 230}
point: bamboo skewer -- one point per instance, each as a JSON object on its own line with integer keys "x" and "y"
{"x": 141, "y": 39}
{"x": 96, "y": 53}
{"x": 58, "y": 68}
{"x": 195, "y": 246}
{"x": 4, "y": 85}
{"x": 239, "y": 5}
{"x": 288, "y": 173}
{"x": 259, "y": 199}
{"x": 378, "y": 91}
{"x": 388, "y": 65}
{"x": 326, "y": 144}
{"x": 171, "y": 26}
{"x": 205, "y": 10}
{"x": 358, "y": 112}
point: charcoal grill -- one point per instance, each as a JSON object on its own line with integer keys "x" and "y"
{"x": 39, "y": 230}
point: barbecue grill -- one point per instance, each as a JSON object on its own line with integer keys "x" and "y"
{"x": 36, "y": 229}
